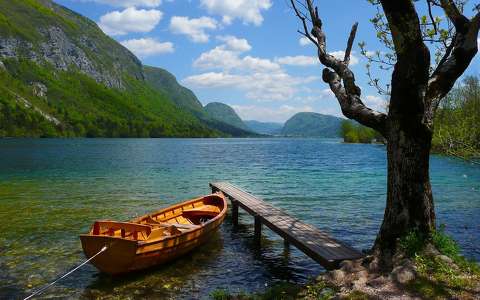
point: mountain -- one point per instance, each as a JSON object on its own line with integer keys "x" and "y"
{"x": 268, "y": 128}
{"x": 163, "y": 80}
{"x": 42, "y": 31}
{"x": 308, "y": 124}
{"x": 60, "y": 75}
{"x": 224, "y": 113}
{"x": 185, "y": 99}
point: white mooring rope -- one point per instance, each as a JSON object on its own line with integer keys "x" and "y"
{"x": 43, "y": 289}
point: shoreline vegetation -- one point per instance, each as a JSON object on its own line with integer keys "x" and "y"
{"x": 456, "y": 124}
{"x": 425, "y": 268}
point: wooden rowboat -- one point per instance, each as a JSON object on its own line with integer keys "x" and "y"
{"x": 155, "y": 238}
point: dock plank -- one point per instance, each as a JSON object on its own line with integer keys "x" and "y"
{"x": 317, "y": 244}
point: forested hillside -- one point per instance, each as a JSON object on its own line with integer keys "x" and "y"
{"x": 308, "y": 124}
{"x": 224, "y": 113}
{"x": 62, "y": 76}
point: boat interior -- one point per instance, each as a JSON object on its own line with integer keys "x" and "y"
{"x": 164, "y": 223}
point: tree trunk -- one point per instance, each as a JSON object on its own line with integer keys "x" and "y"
{"x": 409, "y": 195}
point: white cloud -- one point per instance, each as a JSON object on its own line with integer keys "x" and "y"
{"x": 258, "y": 64}
{"x": 277, "y": 114}
{"x": 224, "y": 58}
{"x": 130, "y": 20}
{"x": 304, "y": 41}
{"x": 375, "y": 102}
{"x": 148, "y": 47}
{"x": 299, "y": 60}
{"x": 235, "y": 44}
{"x": 314, "y": 96}
{"x": 260, "y": 79}
{"x": 193, "y": 28}
{"x": 218, "y": 58}
{"x": 249, "y": 11}
{"x": 129, "y": 3}
{"x": 259, "y": 86}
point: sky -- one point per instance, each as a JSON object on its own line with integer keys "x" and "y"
{"x": 245, "y": 53}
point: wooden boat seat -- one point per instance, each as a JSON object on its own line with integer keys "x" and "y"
{"x": 202, "y": 211}
{"x": 123, "y": 229}
{"x": 152, "y": 222}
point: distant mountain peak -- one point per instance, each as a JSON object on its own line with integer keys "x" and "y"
{"x": 225, "y": 113}
{"x": 311, "y": 124}
{"x": 268, "y": 128}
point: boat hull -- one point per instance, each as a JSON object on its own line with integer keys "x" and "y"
{"x": 125, "y": 256}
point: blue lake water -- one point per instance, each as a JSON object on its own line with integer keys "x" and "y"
{"x": 52, "y": 190}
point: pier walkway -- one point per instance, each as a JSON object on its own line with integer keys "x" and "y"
{"x": 315, "y": 243}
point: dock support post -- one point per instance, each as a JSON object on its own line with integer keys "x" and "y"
{"x": 286, "y": 243}
{"x": 258, "y": 229}
{"x": 235, "y": 213}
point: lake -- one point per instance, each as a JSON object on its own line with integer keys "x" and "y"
{"x": 52, "y": 190}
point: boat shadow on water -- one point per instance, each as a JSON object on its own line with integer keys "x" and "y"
{"x": 160, "y": 280}
{"x": 243, "y": 258}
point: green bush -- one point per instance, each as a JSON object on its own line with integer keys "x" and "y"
{"x": 457, "y": 122}
{"x": 356, "y": 133}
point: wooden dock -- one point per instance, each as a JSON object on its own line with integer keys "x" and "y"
{"x": 315, "y": 243}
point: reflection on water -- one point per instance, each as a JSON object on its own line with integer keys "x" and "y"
{"x": 52, "y": 190}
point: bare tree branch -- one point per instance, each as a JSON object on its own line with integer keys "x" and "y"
{"x": 351, "y": 39}
{"x": 463, "y": 48}
{"x": 453, "y": 13}
{"x": 432, "y": 19}
{"x": 303, "y": 18}
{"x": 348, "y": 94}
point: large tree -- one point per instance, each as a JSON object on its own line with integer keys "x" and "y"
{"x": 418, "y": 84}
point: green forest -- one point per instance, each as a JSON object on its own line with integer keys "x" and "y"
{"x": 86, "y": 108}
{"x": 457, "y": 122}
{"x": 353, "y": 132}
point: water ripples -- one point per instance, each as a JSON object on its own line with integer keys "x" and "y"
{"x": 52, "y": 190}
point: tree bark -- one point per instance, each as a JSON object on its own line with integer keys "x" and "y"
{"x": 409, "y": 195}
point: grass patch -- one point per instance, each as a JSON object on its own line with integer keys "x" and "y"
{"x": 279, "y": 291}
{"x": 440, "y": 278}
{"x": 285, "y": 291}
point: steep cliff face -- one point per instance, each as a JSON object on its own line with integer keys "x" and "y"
{"x": 42, "y": 31}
